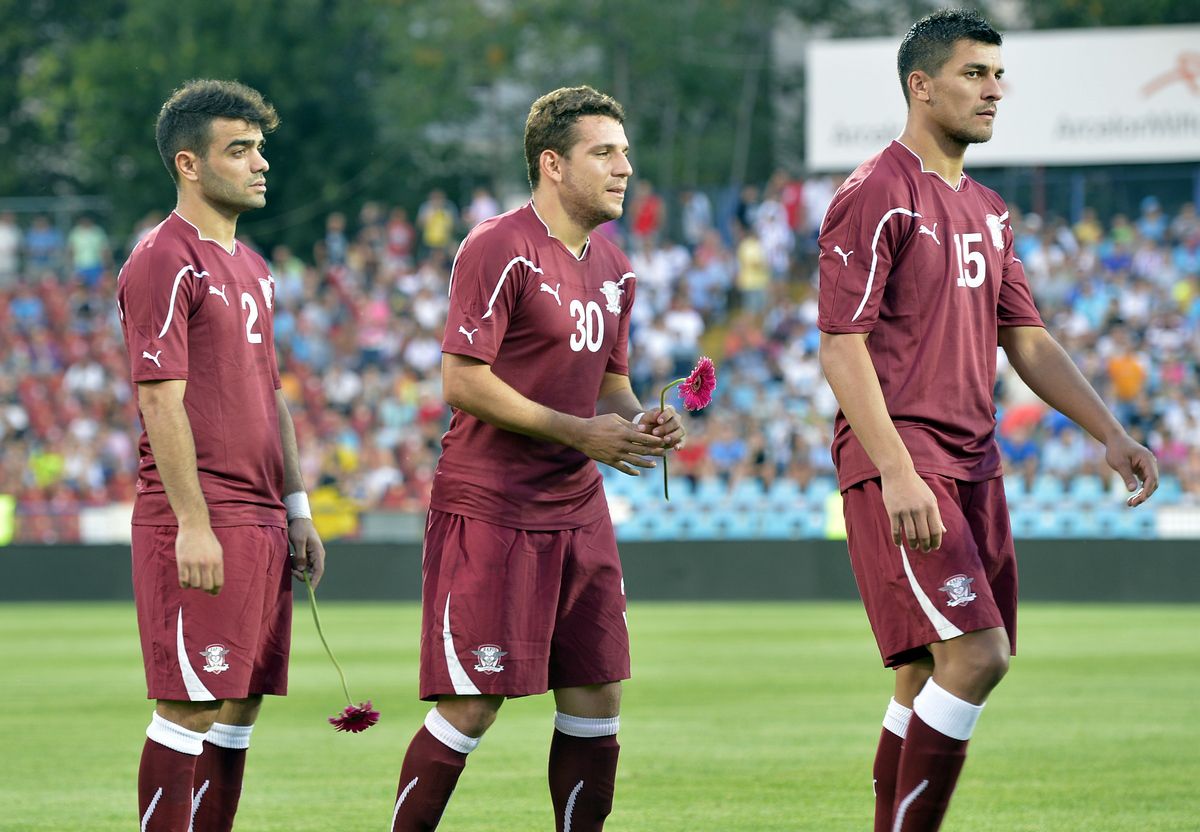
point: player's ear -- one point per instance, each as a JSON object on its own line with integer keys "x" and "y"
{"x": 551, "y": 165}
{"x": 187, "y": 164}
{"x": 918, "y": 86}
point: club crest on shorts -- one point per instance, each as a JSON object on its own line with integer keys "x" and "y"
{"x": 489, "y": 656}
{"x": 958, "y": 588}
{"x": 214, "y": 658}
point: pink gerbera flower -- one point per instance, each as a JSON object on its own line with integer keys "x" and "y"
{"x": 355, "y": 718}
{"x": 696, "y": 391}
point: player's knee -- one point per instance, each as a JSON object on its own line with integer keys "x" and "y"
{"x": 472, "y": 715}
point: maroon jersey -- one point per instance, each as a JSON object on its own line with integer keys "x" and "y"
{"x": 550, "y": 325}
{"x": 928, "y": 270}
{"x": 191, "y": 310}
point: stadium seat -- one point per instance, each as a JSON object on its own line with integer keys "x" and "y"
{"x": 1086, "y": 489}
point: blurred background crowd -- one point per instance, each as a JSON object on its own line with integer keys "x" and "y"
{"x": 732, "y": 275}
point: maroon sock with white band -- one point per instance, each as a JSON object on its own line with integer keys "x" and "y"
{"x": 583, "y": 771}
{"x": 436, "y": 757}
{"x": 218, "y": 781}
{"x": 887, "y": 762}
{"x": 932, "y": 758}
{"x": 165, "y": 776}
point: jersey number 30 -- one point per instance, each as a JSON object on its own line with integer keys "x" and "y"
{"x": 589, "y": 326}
{"x": 972, "y": 268}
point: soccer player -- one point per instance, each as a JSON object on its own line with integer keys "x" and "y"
{"x": 522, "y": 582}
{"x": 918, "y": 286}
{"x": 220, "y": 496}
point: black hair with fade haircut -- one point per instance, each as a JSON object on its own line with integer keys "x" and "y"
{"x": 552, "y": 118}
{"x": 185, "y": 120}
{"x": 930, "y": 41}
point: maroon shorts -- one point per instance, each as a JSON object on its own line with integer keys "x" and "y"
{"x": 914, "y": 598}
{"x": 513, "y": 612}
{"x": 202, "y": 647}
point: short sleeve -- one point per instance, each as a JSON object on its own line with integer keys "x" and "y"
{"x": 1015, "y": 306}
{"x": 863, "y": 229}
{"x": 158, "y": 300}
{"x": 485, "y": 283}
{"x": 618, "y": 359}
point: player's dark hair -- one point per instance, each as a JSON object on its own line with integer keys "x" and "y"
{"x": 930, "y": 41}
{"x": 552, "y": 119}
{"x": 185, "y": 120}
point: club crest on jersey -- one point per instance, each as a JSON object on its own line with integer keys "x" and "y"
{"x": 268, "y": 289}
{"x": 488, "y": 658}
{"x": 612, "y": 292}
{"x": 214, "y": 658}
{"x": 995, "y": 225}
{"x": 958, "y": 590}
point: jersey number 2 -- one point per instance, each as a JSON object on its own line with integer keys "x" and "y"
{"x": 968, "y": 258}
{"x": 251, "y": 319}
{"x": 589, "y": 326}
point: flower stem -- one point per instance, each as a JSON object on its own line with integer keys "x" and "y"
{"x": 662, "y": 405}
{"x": 312, "y": 602}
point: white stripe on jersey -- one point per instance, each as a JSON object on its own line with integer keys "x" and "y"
{"x": 174, "y": 290}
{"x": 463, "y": 685}
{"x": 944, "y": 628}
{"x": 197, "y": 692}
{"x": 875, "y": 255}
{"x": 504, "y": 276}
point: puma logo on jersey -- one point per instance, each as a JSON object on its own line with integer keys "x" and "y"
{"x": 213, "y": 290}
{"x": 545, "y": 287}
{"x": 470, "y": 335}
{"x": 933, "y": 233}
{"x": 153, "y": 358}
{"x": 845, "y": 255}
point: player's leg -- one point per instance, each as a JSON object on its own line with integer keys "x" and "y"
{"x": 200, "y": 650}
{"x": 218, "y": 779}
{"x": 974, "y": 597}
{"x": 174, "y": 741}
{"x": 259, "y": 571}
{"x": 910, "y": 678}
{"x": 436, "y": 757}
{"x": 589, "y": 657}
{"x": 470, "y": 659}
{"x": 583, "y": 755}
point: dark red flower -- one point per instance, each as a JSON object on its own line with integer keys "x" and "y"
{"x": 697, "y": 389}
{"x": 356, "y": 718}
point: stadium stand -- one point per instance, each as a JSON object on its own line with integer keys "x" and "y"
{"x": 358, "y": 328}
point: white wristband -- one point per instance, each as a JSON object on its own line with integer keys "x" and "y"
{"x": 297, "y": 506}
{"x": 637, "y": 420}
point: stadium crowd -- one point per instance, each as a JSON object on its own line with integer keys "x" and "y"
{"x": 358, "y": 324}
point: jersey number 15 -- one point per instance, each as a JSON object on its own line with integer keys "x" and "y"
{"x": 972, "y": 268}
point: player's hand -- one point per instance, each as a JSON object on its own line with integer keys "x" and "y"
{"x": 913, "y": 510}
{"x": 308, "y": 552}
{"x": 1136, "y": 465}
{"x": 618, "y": 442}
{"x": 200, "y": 559}
{"x": 665, "y": 424}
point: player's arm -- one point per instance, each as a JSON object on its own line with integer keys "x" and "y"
{"x": 308, "y": 552}
{"x": 1045, "y": 366}
{"x": 198, "y": 553}
{"x": 910, "y": 503}
{"x": 617, "y": 396}
{"x": 470, "y": 385}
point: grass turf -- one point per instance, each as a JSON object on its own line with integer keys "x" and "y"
{"x": 740, "y": 718}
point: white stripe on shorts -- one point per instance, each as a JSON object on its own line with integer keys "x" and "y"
{"x": 463, "y": 685}
{"x": 940, "y": 623}
{"x": 196, "y": 690}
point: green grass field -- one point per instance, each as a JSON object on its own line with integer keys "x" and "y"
{"x": 740, "y": 718}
